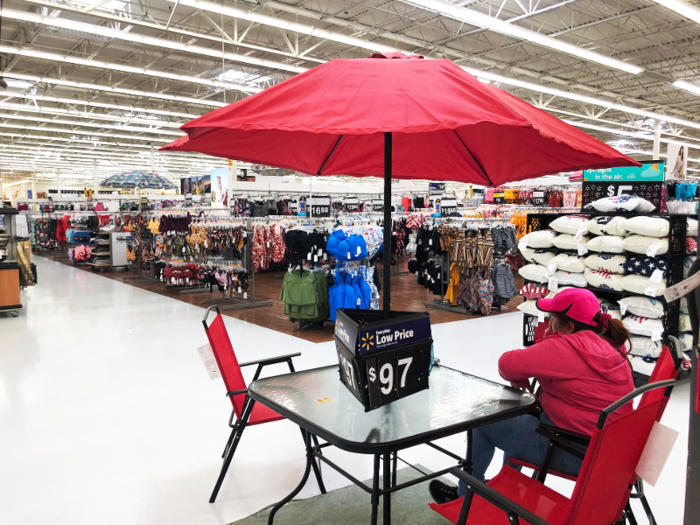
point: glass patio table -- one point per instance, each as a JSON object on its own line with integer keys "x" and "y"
{"x": 322, "y": 406}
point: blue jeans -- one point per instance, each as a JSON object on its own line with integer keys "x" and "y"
{"x": 517, "y": 438}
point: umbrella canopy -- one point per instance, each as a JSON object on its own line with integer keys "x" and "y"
{"x": 144, "y": 180}
{"x": 407, "y": 119}
{"x": 446, "y": 125}
{"x": 176, "y": 145}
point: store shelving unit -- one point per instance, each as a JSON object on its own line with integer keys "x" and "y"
{"x": 9, "y": 267}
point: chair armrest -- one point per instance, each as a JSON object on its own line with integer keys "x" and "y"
{"x": 569, "y": 434}
{"x": 236, "y": 392}
{"x": 271, "y": 360}
{"x": 563, "y": 442}
{"x": 496, "y": 498}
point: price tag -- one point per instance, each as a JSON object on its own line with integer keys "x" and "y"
{"x": 582, "y": 250}
{"x": 657, "y": 276}
{"x": 209, "y": 361}
{"x": 522, "y": 245}
{"x": 349, "y": 256}
{"x": 206, "y": 244}
{"x": 579, "y": 234}
{"x": 655, "y": 335}
{"x": 239, "y": 290}
{"x": 651, "y": 251}
{"x": 430, "y": 242}
{"x": 359, "y": 302}
{"x": 245, "y": 295}
{"x": 268, "y": 244}
{"x": 623, "y": 308}
{"x": 552, "y": 268}
{"x": 553, "y": 284}
{"x": 315, "y": 258}
{"x": 320, "y": 252}
{"x": 650, "y": 291}
{"x": 308, "y": 256}
{"x": 540, "y": 317}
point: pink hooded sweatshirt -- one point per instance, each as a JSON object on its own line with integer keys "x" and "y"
{"x": 580, "y": 375}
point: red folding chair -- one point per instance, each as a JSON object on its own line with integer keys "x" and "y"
{"x": 245, "y": 410}
{"x": 668, "y": 366}
{"x": 602, "y": 488}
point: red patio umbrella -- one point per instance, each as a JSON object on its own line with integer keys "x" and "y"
{"x": 407, "y": 119}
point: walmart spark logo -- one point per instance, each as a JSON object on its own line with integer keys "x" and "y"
{"x": 367, "y": 342}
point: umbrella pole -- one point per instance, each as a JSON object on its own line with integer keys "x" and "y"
{"x": 388, "y": 149}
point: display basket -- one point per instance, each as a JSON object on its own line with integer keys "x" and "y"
{"x": 383, "y": 359}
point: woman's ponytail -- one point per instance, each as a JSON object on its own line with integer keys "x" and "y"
{"x": 612, "y": 330}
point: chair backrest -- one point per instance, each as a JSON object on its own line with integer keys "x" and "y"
{"x": 668, "y": 366}
{"x": 602, "y": 488}
{"x": 226, "y": 360}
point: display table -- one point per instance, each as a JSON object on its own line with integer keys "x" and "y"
{"x": 321, "y": 405}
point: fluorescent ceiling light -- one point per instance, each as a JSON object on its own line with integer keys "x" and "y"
{"x": 499, "y": 26}
{"x": 7, "y": 185}
{"x": 76, "y": 132}
{"x": 100, "y": 125}
{"x": 31, "y": 108}
{"x": 682, "y": 8}
{"x": 100, "y": 87}
{"x": 287, "y": 25}
{"x": 687, "y": 86}
{"x": 101, "y": 64}
{"x": 581, "y": 98}
{"x": 94, "y": 104}
{"x": 147, "y": 40}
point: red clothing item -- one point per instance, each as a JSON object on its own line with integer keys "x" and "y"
{"x": 580, "y": 374}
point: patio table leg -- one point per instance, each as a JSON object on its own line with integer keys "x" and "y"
{"x": 304, "y": 479}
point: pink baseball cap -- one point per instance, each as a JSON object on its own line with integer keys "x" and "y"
{"x": 578, "y": 304}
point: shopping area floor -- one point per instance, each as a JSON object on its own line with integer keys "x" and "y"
{"x": 406, "y": 295}
{"x": 107, "y": 415}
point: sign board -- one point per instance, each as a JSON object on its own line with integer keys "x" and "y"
{"x": 649, "y": 171}
{"x": 352, "y": 205}
{"x": 448, "y": 207}
{"x": 436, "y": 188}
{"x": 378, "y": 205}
{"x": 320, "y": 206}
{"x": 651, "y": 191}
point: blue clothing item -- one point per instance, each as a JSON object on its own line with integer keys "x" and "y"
{"x": 517, "y": 438}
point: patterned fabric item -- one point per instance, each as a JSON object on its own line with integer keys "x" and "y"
{"x": 691, "y": 245}
{"x": 533, "y": 291}
{"x": 482, "y": 289}
{"x": 259, "y": 251}
{"x": 277, "y": 241}
{"x": 645, "y": 265}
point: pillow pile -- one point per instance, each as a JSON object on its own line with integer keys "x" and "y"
{"x": 642, "y": 326}
{"x": 569, "y": 263}
{"x": 574, "y": 279}
{"x": 538, "y": 239}
{"x": 537, "y": 256}
{"x": 572, "y": 224}
{"x": 533, "y": 291}
{"x": 607, "y": 226}
{"x": 567, "y": 241}
{"x": 646, "y": 266}
{"x": 649, "y": 226}
{"x": 603, "y": 280}
{"x": 622, "y": 203}
{"x": 607, "y": 244}
{"x": 606, "y": 262}
{"x": 642, "y": 285}
{"x": 645, "y": 245}
{"x": 642, "y": 306}
{"x": 534, "y": 272}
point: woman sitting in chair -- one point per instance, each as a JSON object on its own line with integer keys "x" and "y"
{"x": 581, "y": 367}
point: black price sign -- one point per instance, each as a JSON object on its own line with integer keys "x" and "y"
{"x": 348, "y": 372}
{"x": 448, "y": 207}
{"x": 392, "y": 375}
{"x": 378, "y": 206}
{"x": 651, "y": 191}
{"x": 352, "y": 205}
{"x": 320, "y": 206}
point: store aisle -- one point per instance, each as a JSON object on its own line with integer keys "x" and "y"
{"x": 107, "y": 414}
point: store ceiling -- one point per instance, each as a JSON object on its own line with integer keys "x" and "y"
{"x": 93, "y": 84}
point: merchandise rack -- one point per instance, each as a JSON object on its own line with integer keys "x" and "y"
{"x": 674, "y": 274}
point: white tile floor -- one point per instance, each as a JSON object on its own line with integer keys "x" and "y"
{"x": 108, "y": 416}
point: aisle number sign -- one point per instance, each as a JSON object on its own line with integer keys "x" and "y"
{"x": 650, "y": 171}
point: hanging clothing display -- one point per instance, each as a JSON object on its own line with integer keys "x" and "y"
{"x": 305, "y": 296}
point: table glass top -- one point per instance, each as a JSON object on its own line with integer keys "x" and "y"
{"x": 454, "y": 399}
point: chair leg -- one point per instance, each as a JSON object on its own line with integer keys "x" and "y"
{"x": 239, "y": 427}
{"x": 630, "y": 515}
{"x": 639, "y": 486}
{"x": 230, "y": 440}
{"x": 315, "y": 464}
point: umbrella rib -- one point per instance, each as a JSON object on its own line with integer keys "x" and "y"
{"x": 472, "y": 156}
{"x": 329, "y": 155}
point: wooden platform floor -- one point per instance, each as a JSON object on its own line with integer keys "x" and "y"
{"x": 406, "y": 295}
